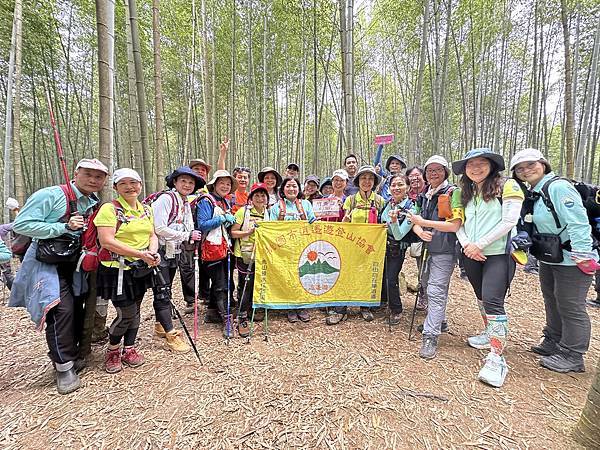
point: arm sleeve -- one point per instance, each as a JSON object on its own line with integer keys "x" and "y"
{"x": 461, "y": 234}
{"x": 569, "y": 207}
{"x": 206, "y": 221}
{"x": 31, "y": 221}
{"x": 511, "y": 211}
{"x": 161, "y": 209}
{"x": 400, "y": 230}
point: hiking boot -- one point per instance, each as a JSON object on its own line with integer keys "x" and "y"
{"x": 303, "y": 315}
{"x": 228, "y": 327}
{"x": 395, "y": 318}
{"x": 189, "y": 308}
{"x": 531, "y": 270}
{"x": 422, "y": 302}
{"x": 131, "y": 357}
{"x": 563, "y": 362}
{"x": 211, "y": 316}
{"x": 429, "y": 346}
{"x": 444, "y": 327}
{"x": 546, "y": 347}
{"x": 366, "y": 314}
{"x": 292, "y": 316}
{"x": 494, "y": 370}
{"x": 67, "y": 381}
{"x": 333, "y": 317}
{"x": 176, "y": 343}
{"x": 159, "y": 330}
{"x": 112, "y": 360}
{"x": 594, "y": 303}
{"x": 243, "y": 327}
{"x": 481, "y": 341}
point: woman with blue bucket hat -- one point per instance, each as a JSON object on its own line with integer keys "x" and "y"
{"x": 491, "y": 206}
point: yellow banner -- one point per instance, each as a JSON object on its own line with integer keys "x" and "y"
{"x": 302, "y": 265}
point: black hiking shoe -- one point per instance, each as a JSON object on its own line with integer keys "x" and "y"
{"x": 563, "y": 362}
{"x": 212, "y": 316}
{"x": 395, "y": 318}
{"x": 444, "y": 328}
{"x": 428, "y": 347}
{"x": 547, "y": 347}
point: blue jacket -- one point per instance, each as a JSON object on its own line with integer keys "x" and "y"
{"x": 574, "y": 225}
{"x": 398, "y": 230}
{"x": 204, "y": 214}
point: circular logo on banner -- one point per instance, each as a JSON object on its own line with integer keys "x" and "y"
{"x": 319, "y": 267}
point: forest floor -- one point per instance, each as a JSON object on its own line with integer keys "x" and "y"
{"x": 355, "y": 385}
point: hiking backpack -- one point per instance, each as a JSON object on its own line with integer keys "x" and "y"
{"x": 174, "y": 207}
{"x": 590, "y": 198}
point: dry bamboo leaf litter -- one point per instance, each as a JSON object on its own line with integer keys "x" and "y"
{"x": 311, "y": 386}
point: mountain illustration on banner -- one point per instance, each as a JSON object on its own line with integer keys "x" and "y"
{"x": 313, "y": 268}
{"x": 319, "y": 267}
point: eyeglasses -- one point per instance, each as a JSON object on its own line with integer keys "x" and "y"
{"x": 525, "y": 166}
{"x": 431, "y": 171}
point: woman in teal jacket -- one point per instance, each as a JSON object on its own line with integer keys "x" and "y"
{"x": 565, "y": 279}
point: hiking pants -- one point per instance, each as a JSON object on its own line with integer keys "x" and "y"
{"x": 597, "y": 281}
{"x": 163, "y": 294}
{"x": 185, "y": 261}
{"x": 217, "y": 273}
{"x": 564, "y": 289}
{"x": 126, "y": 324}
{"x": 436, "y": 280}
{"x": 390, "y": 288}
{"x": 490, "y": 280}
{"x": 246, "y": 299}
{"x": 64, "y": 322}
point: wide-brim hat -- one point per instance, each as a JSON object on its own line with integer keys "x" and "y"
{"x": 221, "y": 173}
{"x": 396, "y": 157}
{"x": 458, "y": 167}
{"x": 170, "y": 179}
{"x": 257, "y": 187}
{"x": 266, "y": 170}
{"x": 527, "y": 155}
{"x": 199, "y": 162}
{"x": 326, "y": 181}
{"x": 367, "y": 169}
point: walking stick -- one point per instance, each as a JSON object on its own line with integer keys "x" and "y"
{"x": 419, "y": 287}
{"x": 196, "y": 289}
{"x": 228, "y": 324}
{"x": 161, "y": 280}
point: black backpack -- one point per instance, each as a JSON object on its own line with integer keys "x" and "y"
{"x": 590, "y": 197}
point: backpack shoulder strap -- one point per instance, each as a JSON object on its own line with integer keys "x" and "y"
{"x": 282, "y": 209}
{"x": 70, "y": 201}
{"x": 120, "y": 215}
{"x": 174, "y": 207}
{"x": 548, "y": 201}
{"x": 300, "y": 209}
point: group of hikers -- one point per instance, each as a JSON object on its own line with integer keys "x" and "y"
{"x": 204, "y": 225}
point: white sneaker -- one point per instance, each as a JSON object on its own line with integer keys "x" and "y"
{"x": 494, "y": 371}
{"x": 481, "y": 341}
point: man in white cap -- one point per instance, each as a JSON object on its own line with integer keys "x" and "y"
{"x": 47, "y": 290}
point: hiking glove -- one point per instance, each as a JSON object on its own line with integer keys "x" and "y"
{"x": 228, "y": 219}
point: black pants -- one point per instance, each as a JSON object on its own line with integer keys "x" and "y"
{"x": 163, "y": 294}
{"x": 490, "y": 280}
{"x": 126, "y": 324}
{"x": 390, "y": 288}
{"x": 185, "y": 261}
{"x": 217, "y": 273}
{"x": 567, "y": 322}
{"x": 64, "y": 322}
{"x": 245, "y": 287}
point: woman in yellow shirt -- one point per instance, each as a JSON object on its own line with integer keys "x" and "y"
{"x": 129, "y": 253}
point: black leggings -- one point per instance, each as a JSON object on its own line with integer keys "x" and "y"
{"x": 490, "y": 280}
{"x": 246, "y": 299}
{"x": 126, "y": 324}
{"x": 390, "y": 289}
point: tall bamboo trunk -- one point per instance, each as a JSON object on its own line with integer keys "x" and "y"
{"x": 159, "y": 131}
{"x": 141, "y": 97}
{"x": 569, "y": 113}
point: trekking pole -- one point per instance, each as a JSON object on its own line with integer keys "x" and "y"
{"x": 196, "y": 289}
{"x": 161, "y": 280}
{"x": 419, "y": 287}
{"x": 228, "y": 324}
